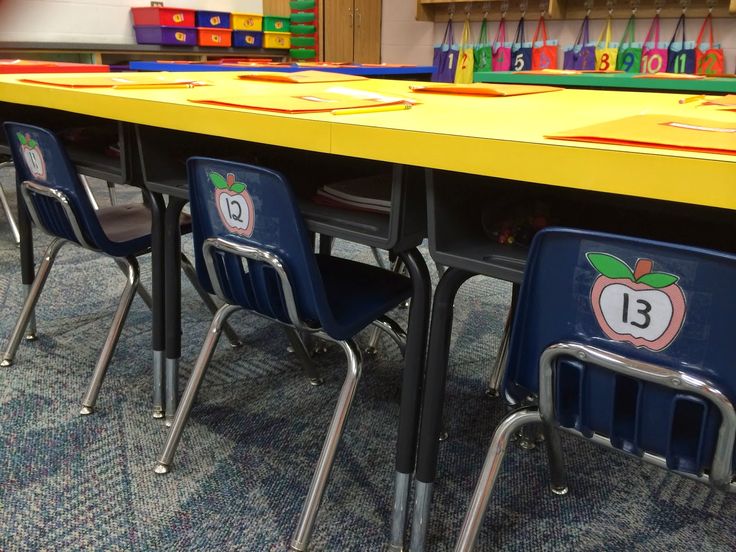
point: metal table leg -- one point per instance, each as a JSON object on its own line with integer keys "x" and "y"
{"x": 433, "y": 399}
{"x": 414, "y": 362}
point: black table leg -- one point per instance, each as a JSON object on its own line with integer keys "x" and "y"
{"x": 172, "y": 294}
{"x": 414, "y": 362}
{"x": 433, "y": 399}
{"x": 158, "y": 335}
{"x": 27, "y": 262}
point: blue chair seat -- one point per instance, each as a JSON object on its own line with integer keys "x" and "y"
{"x": 128, "y": 228}
{"x": 358, "y": 293}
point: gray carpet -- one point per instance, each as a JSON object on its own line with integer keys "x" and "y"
{"x": 246, "y": 458}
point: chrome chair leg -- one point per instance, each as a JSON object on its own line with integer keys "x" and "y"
{"x": 143, "y": 293}
{"x": 300, "y": 350}
{"x": 191, "y": 275}
{"x": 111, "y": 191}
{"x": 499, "y": 368}
{"x": 303, "y": 533}
{"x": 121, "y": 313}
{"x": 32, "y": 298}
{"x": 393, "y": 330}
{"x": 491, "y": 467}
{"x": 88, "y": 191}
{"x": 379, "y": 258}
{"x": 9, "y": 215}
{"x": 187, "y": 399}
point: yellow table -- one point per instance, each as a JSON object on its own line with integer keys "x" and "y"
{"x": 498, "y": 137}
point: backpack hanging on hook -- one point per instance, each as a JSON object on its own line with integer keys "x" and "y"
{"x": 482, "y": 52}
{"x": 708, "y": 55}
{"x": 606, "y": 52}
{"x": 544, "y": 50}
{"x": 628, "y": 57}
{"x": 521, "y": 51}
{"x": 680, "y": 55}
{"x": 464, "y": 71}
{"x": 501, "y": 52}
{"x": 445, "y": 57}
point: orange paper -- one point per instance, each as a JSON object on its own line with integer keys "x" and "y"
{"x": 728, "y": 100}
{"x": 659, "y": 131}
{"x": 484, "y": 89}
{"x": 137, "y": 80}
{"x": 298, "y": 76}
{"x": 674, "y": 76}
{"x": 318, "y": 102}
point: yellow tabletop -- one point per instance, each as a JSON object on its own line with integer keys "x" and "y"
{"x": 492, "y": 136}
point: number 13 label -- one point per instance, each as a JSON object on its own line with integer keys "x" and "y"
{"x": 641, "y": 307}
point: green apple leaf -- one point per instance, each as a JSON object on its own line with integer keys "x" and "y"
{"x": 21, "y": 138}
{"x": 658, "y": 279}
{"x": 218, "y": 180}
{"x": 237, "y": 187}
{"x": 610, "y": 266}
{"x": 32, "y": 143}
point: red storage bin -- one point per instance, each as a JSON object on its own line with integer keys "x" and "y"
{"x": 163, "y": 17}
{"x": 221, "y": 38}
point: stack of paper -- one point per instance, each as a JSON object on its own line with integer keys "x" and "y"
{"x": 484, "y": 89}
{"x": 372, "y": 194}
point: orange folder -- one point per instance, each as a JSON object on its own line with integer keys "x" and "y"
{"x": 298, "y": 76}
{"x": 727, "y": 100}
{"x": 484, "y": 89}
{"x": 138, "y": 80}
{"x": 318, "y": 102}
{"x": 659, "y": 131}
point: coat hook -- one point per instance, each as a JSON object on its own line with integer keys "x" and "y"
{"x": 610, "y": 4}
{"x": 684, "y": 4}
{"x": 588, "y": 4}
{"x": 468, "y": 9}
{"x": 634, "y": 6}
{"x": 711, "y": 4}
{"x": 522, "y": 7}
{"x": 543, "y": 6}
{"x": 658, "y": 4}
{"x": 504, "y": 8}
{"x": 451, "y": 10}
{"x": 485, "y": 8}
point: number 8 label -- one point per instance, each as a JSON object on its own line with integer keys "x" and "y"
{"x": 605, "y": 63}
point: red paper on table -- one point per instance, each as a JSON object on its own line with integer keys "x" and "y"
{"x": 318, "y": 102}
{"x": 659, "y": 131}
{"x": 298, "y": 76}
{"x": 484, "y": 89}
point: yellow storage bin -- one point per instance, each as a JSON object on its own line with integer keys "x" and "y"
{"x": 276, "y": 40}
{"x": 247, "y": 21}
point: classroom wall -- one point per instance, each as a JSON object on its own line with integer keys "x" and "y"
{"x": 403, "y": 39}
{"x": 89, "y": 21}
{"x": 566, "y": 31}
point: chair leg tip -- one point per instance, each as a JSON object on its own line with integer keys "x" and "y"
{"x": 86, "y": 410}
{"x": 157, "y": 414}
{"x": 559, "y": 490}
{"x": 161, "y": 469}
{"x": 31, "y": 337}
{"x": 316, "y": 382}
{"x": 236, "y": 344}
{"x": 6, "y": 362}
{"x": 297, "y": 546}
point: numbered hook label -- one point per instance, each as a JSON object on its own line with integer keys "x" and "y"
{"x": 233, "y": 204}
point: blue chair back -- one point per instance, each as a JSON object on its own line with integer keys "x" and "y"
{"x": 669, "y": 305}
{"x": 39, "y": 157}
{"x": 255, "y": 207}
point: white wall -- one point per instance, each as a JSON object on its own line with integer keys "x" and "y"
{"x": 566, "y": 31}
{"x": 90, "y": 21}
{"x": 403, "y": 39}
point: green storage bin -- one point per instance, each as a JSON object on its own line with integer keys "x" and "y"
{"x": 275, "y": 24}
{"x": 302, "y": 53}
{"x": 302, "y": 29}
{"x": 305, "y": 17}
{"x": 303, "y": 41}
{"x": 302, "y": 4}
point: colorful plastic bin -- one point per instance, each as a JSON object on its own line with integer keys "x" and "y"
{"x": 247, "y": 21}
{"x": 172, "y": 36}
{"x": 303, "y": 53}
{"x": 218, "y": 38}
{"x": 275, "y": 24}
{"x": 302, "y": 17}
{"x": 279, "y": 41}
{"x": 300, "y": 5}
{"x": 303, "y": 41}
{"x": 247, "y": 39}
{"x": 213, "y": 19}
{"x": 163, "y": 17}
{"x": 303, "y": 29}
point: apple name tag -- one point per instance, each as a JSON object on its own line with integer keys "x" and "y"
{"x": 233, "y": 203}
{"x": 641, "y": 307}
{"x": 32, "y": 155}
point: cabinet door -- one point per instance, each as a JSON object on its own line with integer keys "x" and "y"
{"x": 339, "y": 26}
{"x": 367, "y": 35}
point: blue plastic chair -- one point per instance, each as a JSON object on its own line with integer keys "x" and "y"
{"x": 59, "y": 204}
{"x": 628, "y": 343}
{"x": 252, "y": 249}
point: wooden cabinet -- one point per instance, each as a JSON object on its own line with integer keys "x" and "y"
{"x": 352, "y": 30}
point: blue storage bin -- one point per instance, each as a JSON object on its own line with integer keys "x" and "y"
{"x": 247, "y": 39}
{"x": 213, "y": 19}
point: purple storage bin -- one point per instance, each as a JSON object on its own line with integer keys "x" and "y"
{"x": 247, "y": 39}
{"x": 213, "y": 19}
{"x": 172, "y": 36}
